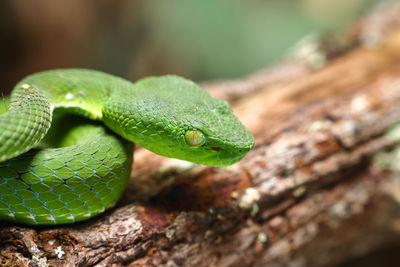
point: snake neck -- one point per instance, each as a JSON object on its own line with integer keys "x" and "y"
{"x": 26, "y": 122}
{"x": 33, "y": 100}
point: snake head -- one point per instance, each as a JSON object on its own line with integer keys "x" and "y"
{"x": 175, "y": 117}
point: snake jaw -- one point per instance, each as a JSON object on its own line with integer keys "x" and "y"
{"x": 189, "y": 138}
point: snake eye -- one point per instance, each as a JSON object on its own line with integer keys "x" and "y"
{"x": 194, "y": 138}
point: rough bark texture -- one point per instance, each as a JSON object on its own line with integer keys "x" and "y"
{"x": 311, "y": 193}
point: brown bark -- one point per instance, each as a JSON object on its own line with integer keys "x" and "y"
{"x": 310, "y": 193}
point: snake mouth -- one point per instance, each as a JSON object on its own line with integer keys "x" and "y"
{"x": 216, "y": 148}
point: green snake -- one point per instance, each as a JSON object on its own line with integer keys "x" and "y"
{"x": 77, "y": 168}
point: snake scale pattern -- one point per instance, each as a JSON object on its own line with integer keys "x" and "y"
{"x": 66, "y": 139}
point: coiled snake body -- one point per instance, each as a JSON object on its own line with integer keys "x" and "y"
{"x": 78, "y": 169}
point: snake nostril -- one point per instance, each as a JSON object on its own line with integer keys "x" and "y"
{"x": 216, "y": 148}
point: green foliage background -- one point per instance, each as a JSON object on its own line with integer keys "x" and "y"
{"x": 201, "y": 40}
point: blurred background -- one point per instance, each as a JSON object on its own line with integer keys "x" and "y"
{"x": 201, "y": 40}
